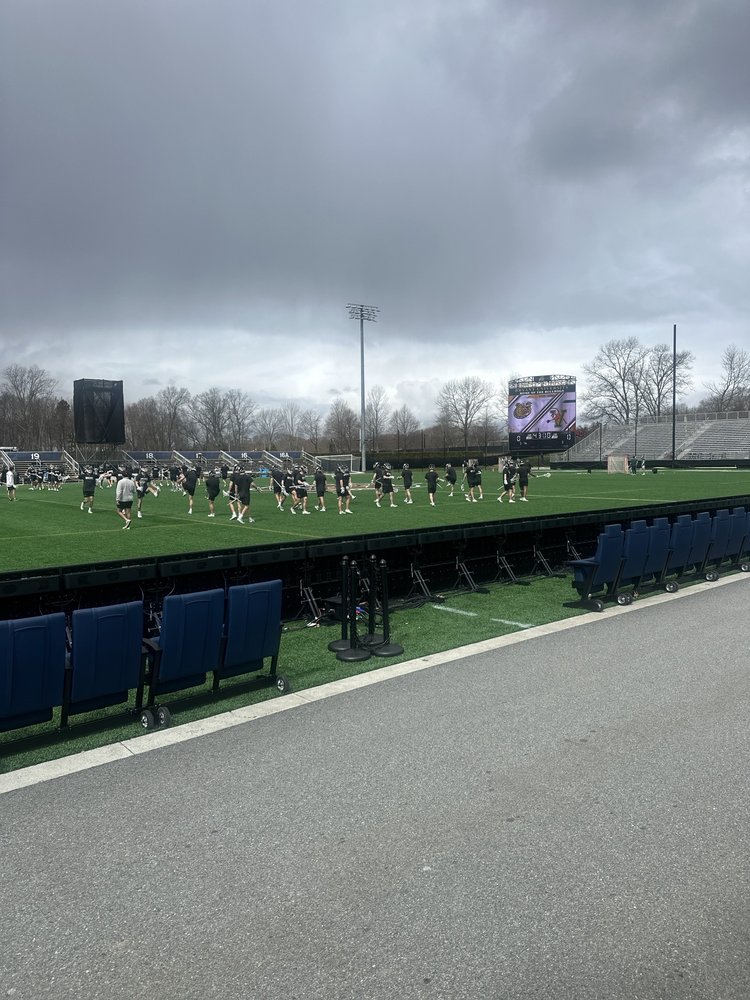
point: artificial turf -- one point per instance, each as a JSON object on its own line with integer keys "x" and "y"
{"x": 48, "y": 529}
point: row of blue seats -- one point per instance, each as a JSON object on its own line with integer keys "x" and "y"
{"x": 102, "y": 654}
{"x": 660, "y": 554}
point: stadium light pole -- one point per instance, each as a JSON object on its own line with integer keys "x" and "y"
{"x": 674, "y": 394}
{"x": 362, "y": 313}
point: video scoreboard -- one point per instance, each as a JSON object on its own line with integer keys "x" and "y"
{"x": 542, "y": 413}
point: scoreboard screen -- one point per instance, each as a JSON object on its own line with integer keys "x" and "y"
{"x": 542, "y": 413}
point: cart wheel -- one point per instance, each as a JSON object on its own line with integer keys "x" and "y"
{"x": 597, "y": 605}
{"x": 671, "y": 587}
{"x": 163, "y": 715}
{"x": 282, "y": 684}
{"x": 745, "y": 567}
{"x": 147, "y": 719}
{"x": 712, "y": 577}
{"x": 623, "y": 599}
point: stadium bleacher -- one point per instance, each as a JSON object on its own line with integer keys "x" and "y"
{"x": 706, "y": 436}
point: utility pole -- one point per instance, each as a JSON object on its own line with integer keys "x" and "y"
{"x": 362, "y": 313}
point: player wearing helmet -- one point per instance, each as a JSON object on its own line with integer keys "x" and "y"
{"x": 407, "y": 476}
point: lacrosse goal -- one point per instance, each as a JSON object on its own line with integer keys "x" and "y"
{"x": 329, "y": 463}
{"x": 617, "y": 463}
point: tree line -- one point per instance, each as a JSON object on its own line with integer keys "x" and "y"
{"x": 625, "y": 381}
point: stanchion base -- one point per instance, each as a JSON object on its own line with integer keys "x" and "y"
{"x": 373, "y": 639}
{"x": 392, "y": 649}
{"x": 338, "y": 644}
{"x": 352, "y": 655}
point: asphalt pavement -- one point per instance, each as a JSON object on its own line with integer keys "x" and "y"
{"x": 563, "y": 817}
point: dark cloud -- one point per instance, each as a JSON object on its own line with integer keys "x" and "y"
{"x": 173, "y": 171}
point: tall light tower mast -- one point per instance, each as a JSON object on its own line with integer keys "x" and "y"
{"x": 362, "y": 313}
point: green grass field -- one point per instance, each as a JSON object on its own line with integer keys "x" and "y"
{"x": 42, "y": 529}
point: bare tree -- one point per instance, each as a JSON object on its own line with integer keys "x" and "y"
{"x": 656, "y": 395}
{"x": 269, "y": 423}
{"x": 376, "y": 416}
{"x": 173, "y": 407}
{"x": 610, "y": 380}
{"x": 342, "y": 427}
{"x": 209, "y": 412}
{"x": 240, "y": 410}
{"x": 309, "y": 427}
{"x": 142, "y": 424}
{"x": 29, "y": 390}
{"x": 461, "y": 401}
{"x": 732, "y": 391}
{"x": 63, "y": 424}
{"x": 404, "y": 425}
{"x": 290, "y": 414}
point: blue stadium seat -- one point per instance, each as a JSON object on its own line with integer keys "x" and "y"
{"x": 252, "y": 632}
{"x": 187, "y": 648}
{"x": 633, "y": 565}
{"x": 717, "y": 549}
{"x": 739, "y": 538}
{"x": 33, "y": 658}
{"x": 700, "y": 541}
{"x": 106, "y": 661}
{"x": 658, "y": 550}
{"x": 680, "y": 541}
{"x": 599, "y": 573}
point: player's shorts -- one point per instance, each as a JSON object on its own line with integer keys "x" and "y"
{"x": 211, "y": 495}
{"x": 124, "y": 504}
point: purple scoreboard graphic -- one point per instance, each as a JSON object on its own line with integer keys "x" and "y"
{"x": 542, "y": 413}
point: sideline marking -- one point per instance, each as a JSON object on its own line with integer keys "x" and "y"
{"x": 505, "y": 621}
{"x": 454, "y": 611}
{"x": 38, "y": 773}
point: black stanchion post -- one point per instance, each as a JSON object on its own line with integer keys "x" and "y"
{"x": 343, "y": 642}
{"x": 372, "y": 638}
{"x": 354, "y": 653}
{"x": 387, "y": 648}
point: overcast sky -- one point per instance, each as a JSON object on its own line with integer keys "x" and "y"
{"x": 192, "y": 190}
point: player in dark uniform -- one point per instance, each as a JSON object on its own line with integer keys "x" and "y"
{"x": 450, "y": 478}
{"x": 387, "y": 474}
{"x": 189, "y": 482}
{"x": 377, "y": 482}
{"x": 243, "y": 483}
{"x": 524, "y": 471}
{"x": 432, "y": 480}
{"x": 300, "y": 488}
{"x": 213, "y": 488}
{"x": 277, "y": 480}
{"x": 320, "y": 489}
{"x": 408, "y": 478}
{"x": 470, "y": 474}
{"x": 343, "y": 492}
{"x": 475, "y": 481}
{"x": 232, "y": 494}
{"x": 142, "y": 483}
{"x": 224, "y": 474}
{"x": 288, "y": 487}
{"x": 509, "y": 479}
{"x": 88, "y": 481}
